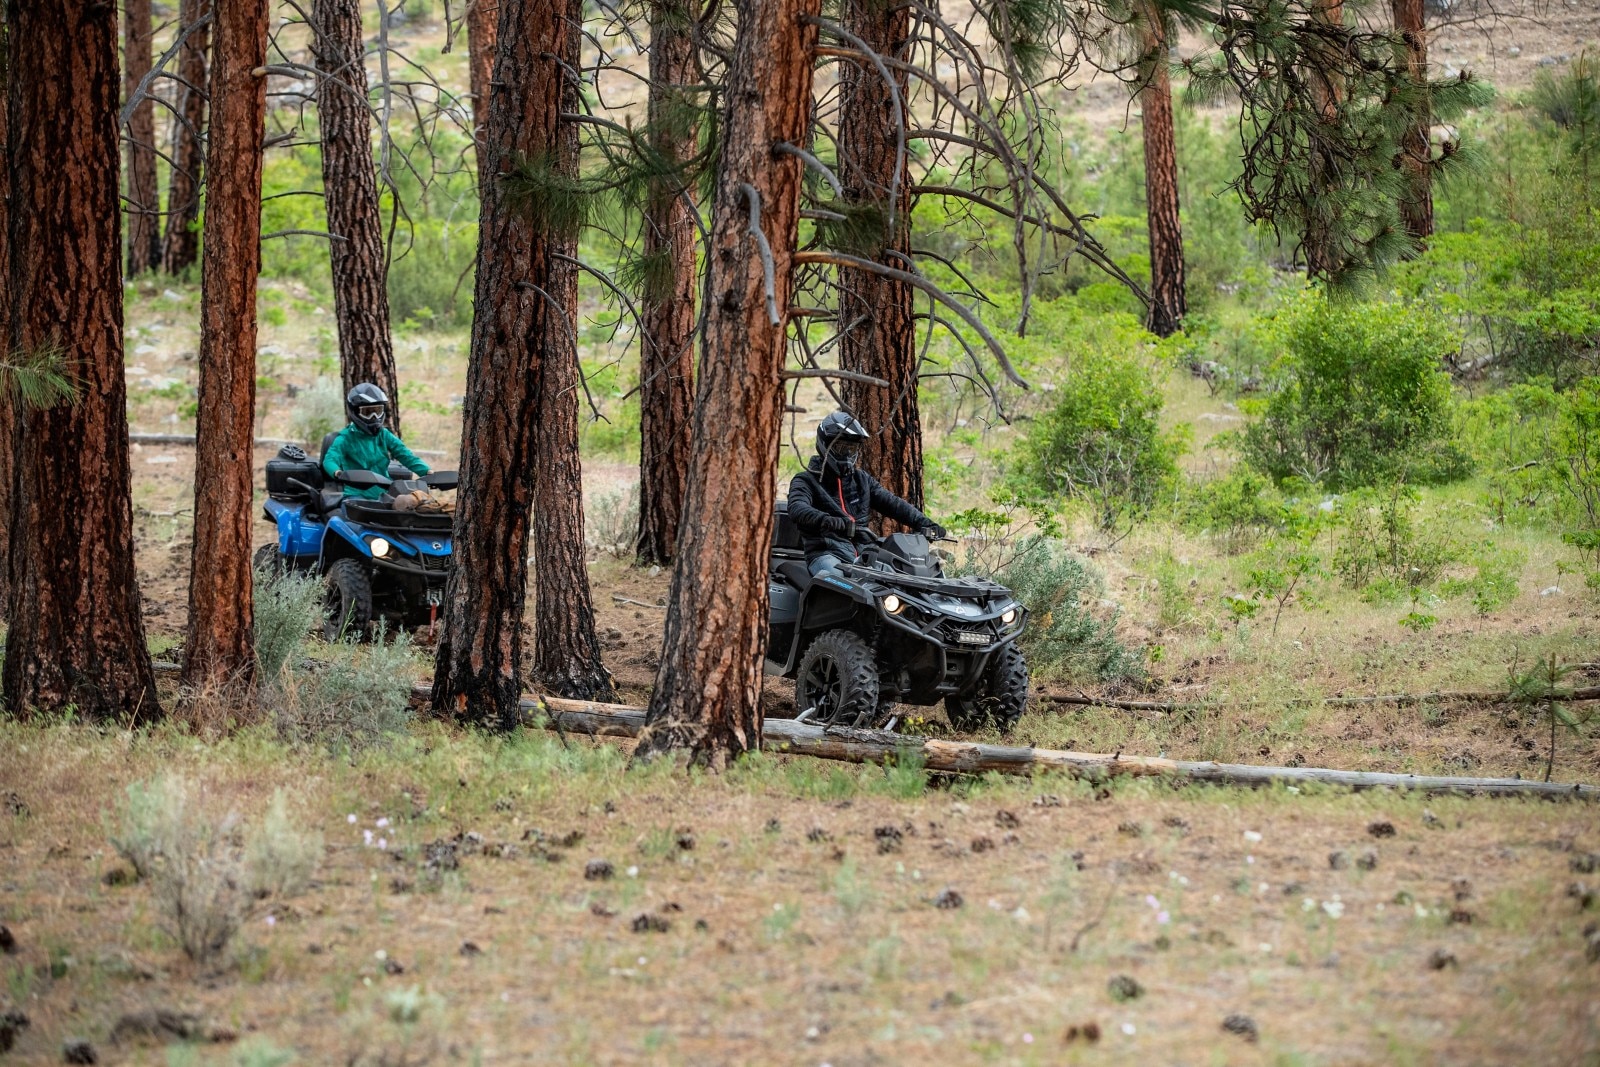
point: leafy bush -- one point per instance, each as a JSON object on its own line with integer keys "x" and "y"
{"x": 1381, "y": 541}
{"x": 209, "y": 876}
{"x": 1358, "y": 397}
{"x": 287, "y": 608}
{"x": 1063, "y": 638}
{"x": 1237, "y": 509}
{"x": 318, "y": 411}
{"x": 1102, "y": 441}
{"x": 430, "y": 280}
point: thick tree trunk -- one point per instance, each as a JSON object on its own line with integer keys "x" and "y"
{"x": 706, "y": 700}
{"x": 77, "y": 634}
{"x": 666, "y": 356}
{"x": 144, "y": 202}
{"x": 1319, "y": 237}
{"x": 8, "y": 423}
{"x": 350, "y": 191}
{"x": 521, "y": 331}
{"x": 1168, "y": 302}
{"x": 483, "y": 20}
{"x": 181, "y": 243}
{"x": 875, "y": 312}
{"x": 220, "y": 649}
{"x": 1416, "y": 206}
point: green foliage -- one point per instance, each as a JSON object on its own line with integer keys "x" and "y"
{"x": 1579, "y": 449}
{"x": 1381, "y": 540}
{"x": 1236, "y": 509}
{"x": 208, "y": 875}
{"x": 1358, "y": 397}
{"x": 555, "y": 202}
{"x": 1102, "y": 441}
{"x": 1545, "y": 684}
{"x": 430, "y": 276}
{"x": 1063, "y": 637}
{"x": 1571, "y": 100}
{"x": 357, "y": 698}
{"x": 317, "y": 412}
{"x": 39, "y": 378}
{"x": 287, "y": 607}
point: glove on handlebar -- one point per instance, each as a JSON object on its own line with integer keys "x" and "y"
{"x": 934, "y": 532}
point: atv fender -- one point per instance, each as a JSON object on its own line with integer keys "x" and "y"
{"x": 342, "y": 541}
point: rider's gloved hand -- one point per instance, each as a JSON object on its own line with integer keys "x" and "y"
{"x": 934, "y": 532}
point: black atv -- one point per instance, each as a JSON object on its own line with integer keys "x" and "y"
{"x": 891, "y": 629}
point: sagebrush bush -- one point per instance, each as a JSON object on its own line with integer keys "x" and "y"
{"x": 611, "y": 520}
{"x": 1064, "y": 638}
{"x": 1358, "y": 397}
{"x": 318, "y": 410}
{"x": 207, "y": 875}
{"x": 287, "y": 608}
{"x": 358, "y": 697}
{"x": 1102, "y": 440}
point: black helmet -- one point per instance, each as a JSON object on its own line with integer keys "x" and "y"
{"x": 367, "y": 407}
{"x": 840, "y": 439}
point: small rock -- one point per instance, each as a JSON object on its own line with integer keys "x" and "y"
{"x": 1431, "y": 821}
{"x": 470, "y": 948}
{"x": 1381, "y": 829}
{"x": 1047, "y": 800}
{"x": 12, "y": 1023}
{"x": 948, "y": 899}
{"x": 1089, "y": 1032}
{"x": 1587, "y": 863}
{"x": 1338, "y": 861}
{"x": 1005, "y": 819}
{"x": 1368, "y": 860}
{"x": 1124, "y": 987}
{"x": 646, "y": 923}
{"x": 119, "y": 876}
{"x": 888, "y": 838}
{"x": 1131, "y": 829}
{"x": 981, "y": 844}
{"x": 1513, "y": 51}
{"x": 1440, "y": 958}
{"x": 8, "y": 943}
{"x": 1461, "y": 917}
{"x": 77, "y": 1050}
{"x": 598, "y": 871}
{"x": 156, "y": 1023}
{"x": 392, "y": 966}
{"x": 1241, "y": 1026}
{"x": 774, "y": 826}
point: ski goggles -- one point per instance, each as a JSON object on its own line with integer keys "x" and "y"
{"x": 368, "y": 411}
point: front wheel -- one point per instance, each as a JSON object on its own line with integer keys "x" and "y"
{"x": 268, "y": 562}
{"x": 1000, "y": 698}
{"x": 347, "y": 603}
{"x": 838, "y": 678}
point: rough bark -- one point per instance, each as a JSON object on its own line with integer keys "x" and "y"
{"x": 521, "y": 325}
{"x": 1168, "y": 303}
{"x": 483, "y": 18}
{"x": 875, "y": 312}
{"x": 144, "y": 202}
{"x": 7, "y": 418}
{"x": 350, "y": 192}
{"x": 180, "y": 245}
{"x": 77, "y": 633}
{"x": 666, "y": 354}
{"x": 1416, "y": 205}
{"x": 220, "y": 649}
{"x": 706, "y": 701}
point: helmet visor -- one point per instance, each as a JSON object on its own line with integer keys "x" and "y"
{"x": 846, "y": 449}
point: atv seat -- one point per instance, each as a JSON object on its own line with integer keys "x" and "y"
{"x": 795, "y": 572}
{"x": 785, "y": 535}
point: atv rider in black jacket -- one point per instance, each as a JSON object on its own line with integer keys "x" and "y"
{"x": 833, "y": 498}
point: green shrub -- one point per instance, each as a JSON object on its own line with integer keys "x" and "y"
{"x": 430, "y": 277}
{"x": 317, "y": 412}
{"x": 1382, "y": 543}
{"x": 1063, "y": 637}
{"x": 1102, "y": 441}
{"x": 358, "y": 698}
{"x": 1237, "y": 509}
{"x": 287, "y": 608}
{"x": 1358, "y": 397}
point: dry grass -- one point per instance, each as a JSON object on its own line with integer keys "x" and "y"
{"x": 818, "y": 945}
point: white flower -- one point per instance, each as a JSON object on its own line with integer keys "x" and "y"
{"x": 351, "y": 818}
{"x": 382, "y": 823}
{"x": 1334, "y": 908}
{"x": 1129, "y": 1029}
{"x": 366, "y": 837}
{"x": 380, "y": 955}
{"x": 272, "y": 920}
{"x": 633, "y": 872}
{"x": 1163, "y": 918}
{"x": 383, "y": 842}
{"x": 1252, "y": 836}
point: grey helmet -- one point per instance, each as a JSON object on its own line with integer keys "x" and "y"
{"x": 840, "y": 439}
{"x": 368, "y": 407}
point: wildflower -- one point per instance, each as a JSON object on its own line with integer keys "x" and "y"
{"x": 1252, "y": 836}
{"x": 351, "y": 818}
{"x": 1129, "y": 1029}
{"x": 382, "y": 824}
{"x": 366, "y": 837}
{"x": 1027, "y": 1039}
{"x": 1163, "y": 918}
{"x": 272, "y": 920}
{"x": 1334, "y": 908}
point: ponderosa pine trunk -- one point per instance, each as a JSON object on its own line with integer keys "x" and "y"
{"x": 705, "y": 707}
{"x": 1416, "y": 205}
{"x": 876, "y": 313}
{"x": 1168, "y": 302}
{"x": 181, "y": 244}
{"x": 566, "y": 647}
{"x": 220, "y": 648}
{"x": 350, "y": 193}
{"x": 7, "y": 420}
{"x": 483, "y": 20}
{"x": 666, "y": 348}
{"x": 521, "y": 331}
{"x": 77, "y": 634}
{"x": 144, "y": 201}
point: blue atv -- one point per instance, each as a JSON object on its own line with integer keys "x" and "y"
{"x": 378, "y": 561}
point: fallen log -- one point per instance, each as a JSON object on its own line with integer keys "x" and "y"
{"x": 967, "y": 757}
{"x": 1401, "y": 699}
{"x": 260, "y": 442}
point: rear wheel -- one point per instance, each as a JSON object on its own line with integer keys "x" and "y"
{"x": 267, "y": 561}
{"x": 1000, "y": 699}
{"x": 838, "y": 677}
{"x": 347, "y": 604}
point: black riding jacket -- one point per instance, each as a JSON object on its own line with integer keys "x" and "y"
{"x": 816, "y": 494}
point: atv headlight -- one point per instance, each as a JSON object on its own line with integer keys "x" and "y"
{"x": 892, "y": 604}
{"x": 1008, "y": 616}
{"x": 379, "y": 546}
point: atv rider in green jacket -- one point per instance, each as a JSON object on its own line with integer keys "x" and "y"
{"x": 366, "y": 445}
{"x": 833, "y": 498}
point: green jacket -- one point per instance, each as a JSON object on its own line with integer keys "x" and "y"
{"x": 356, "y": 450}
